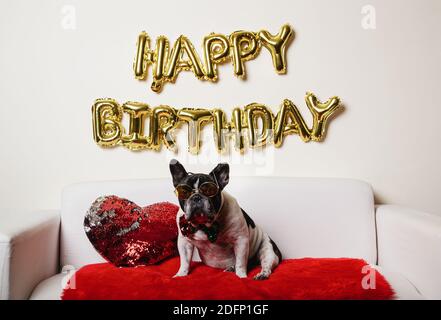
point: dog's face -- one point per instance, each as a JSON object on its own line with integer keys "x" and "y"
{"x": 200, "y": 195}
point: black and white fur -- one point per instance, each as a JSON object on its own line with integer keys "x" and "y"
{"x": 240, "y": 241}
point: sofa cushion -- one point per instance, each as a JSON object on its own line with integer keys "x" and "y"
{"x": 306, "y": 217}
{"x": 128, "y": 235}
{"x": 308, "y": 278}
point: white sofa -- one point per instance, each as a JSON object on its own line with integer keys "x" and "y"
{"x": 306, "y": 217}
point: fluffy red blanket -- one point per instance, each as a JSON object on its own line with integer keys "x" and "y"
{"x": 293, "y": 279}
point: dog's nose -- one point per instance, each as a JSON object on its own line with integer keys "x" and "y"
{"x": 197, "y": 198}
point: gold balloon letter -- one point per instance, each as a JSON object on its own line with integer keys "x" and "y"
{"x": 222, "y": 129}
{"x": 143, "y": 57}
{"x": 106, "y": 117}
{"x": 290, "y": 121}
{"x": 164, "y": 119}
{"x": 321, "y": 113}
{"x": 253, "y": 112}
{"x": 216, "y": 50}
{"x": 161, "y": 56}
{"x": 277, "y": 46}
{"x": 135, "y": 139}
{"x": 195, "y": 119}
{"x": 175, "y": 64}
{"x": 244, "y": 47}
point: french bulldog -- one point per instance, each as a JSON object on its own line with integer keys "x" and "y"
{"x": 212, "y": 221}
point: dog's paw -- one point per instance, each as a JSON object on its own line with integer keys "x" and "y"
{"x": 230, "y": 269}
{"x": 180, "y": 274}
{"x": 261, "y": 276}
{"x": 241, "y": 274}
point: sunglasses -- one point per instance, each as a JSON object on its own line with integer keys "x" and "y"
{"x": 208, "y": 189}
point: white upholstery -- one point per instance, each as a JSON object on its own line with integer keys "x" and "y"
{"x": 49, "y": 289}
{"x": 310, "y": 217}
{"x": 409, "y": 241}
{"x": 403, "y": 288}
{"x": 28, "y": 251}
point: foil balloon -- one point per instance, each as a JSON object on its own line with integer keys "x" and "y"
{"x": 223, "y": 130}
{"x": 253, "y": 112}
{"x": 255, "y": 125}
{"x": 238, "y": 47}
{"x": 244, "y": 47}
{"x": 276, "y": 44}
{"x": 290, "y": 121}
{"x": 216, "y": 51}
{"x": 106, "y": 118}
{"x": 163, "y": 121}
{"x": 321, "y": 113}
{"x": 220, "y": 130}
{"x": 238, "y": 124}
{"x": 195, "y": 119}
{"x": 135, "y": 139}
{"x": 144, "y": 56}
{"x": 161, "y": 57}
{"x": 177, "y": 63}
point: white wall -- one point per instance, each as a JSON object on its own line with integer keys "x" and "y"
{"x": 388, "y": 79}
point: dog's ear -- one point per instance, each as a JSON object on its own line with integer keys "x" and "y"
{"x": 178, "y": 171}
{"x": 221, "y": 174}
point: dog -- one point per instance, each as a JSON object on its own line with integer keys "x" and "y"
{"x": 212, "y": 221}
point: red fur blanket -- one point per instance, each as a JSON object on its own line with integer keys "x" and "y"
{"x": 293, "y": 279}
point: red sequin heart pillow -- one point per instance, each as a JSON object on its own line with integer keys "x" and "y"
{"x": 128, "y": 235}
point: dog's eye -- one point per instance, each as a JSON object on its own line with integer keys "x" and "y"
{"x": 209, "y": 189}
{"x": 183, "y": 192}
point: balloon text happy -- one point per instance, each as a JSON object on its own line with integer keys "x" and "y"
{"x": 240, "y": 46}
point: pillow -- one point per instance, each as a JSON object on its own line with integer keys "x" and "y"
{"x": 128, "y": 235}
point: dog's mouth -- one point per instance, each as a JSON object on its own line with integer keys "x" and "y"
{"x": 200, "y": 218}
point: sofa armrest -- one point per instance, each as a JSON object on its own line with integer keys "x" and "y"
{"x": 409, "y": 242}
{"x": 29, "y": 250}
